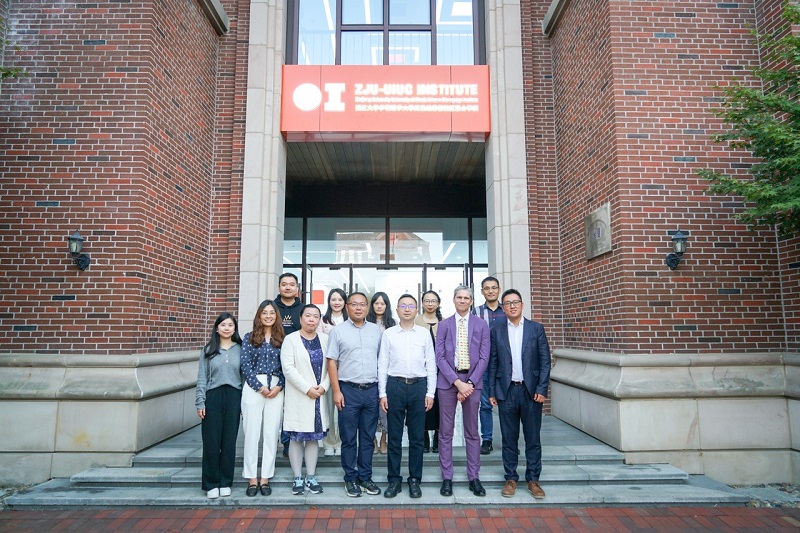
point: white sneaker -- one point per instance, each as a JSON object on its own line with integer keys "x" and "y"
{"x": 213, "y": 494}
{"x": 328, "y": 452}
{"x": 225, "y": 492}
{"x": 337, "y": 451}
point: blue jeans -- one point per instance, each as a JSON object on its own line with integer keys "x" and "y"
{"x": 485, "y": 417}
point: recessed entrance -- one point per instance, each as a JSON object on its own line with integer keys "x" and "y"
{"x": 396, "y": 217}
{"x": 393, "y": 255}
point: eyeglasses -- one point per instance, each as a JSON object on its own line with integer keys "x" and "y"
{"x": 515, "y": 303}
{"x": 410, "y": 307}
{"x": 357, "y": 305}
{"x": 430, "y": 302}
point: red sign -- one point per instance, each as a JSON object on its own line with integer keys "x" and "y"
{"x": 385, "y": 103}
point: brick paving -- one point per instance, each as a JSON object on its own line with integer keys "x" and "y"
{"x": 494, "y": 520}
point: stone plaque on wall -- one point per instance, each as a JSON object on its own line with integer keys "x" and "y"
{"x": 597, "y": 227}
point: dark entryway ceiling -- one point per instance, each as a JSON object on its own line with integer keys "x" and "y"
{"x": 379, "y": 163}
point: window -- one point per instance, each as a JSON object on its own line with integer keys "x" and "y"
{"x": 385, "y": 32}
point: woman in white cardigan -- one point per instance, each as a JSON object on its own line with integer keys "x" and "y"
{"x": 305, "y": 418}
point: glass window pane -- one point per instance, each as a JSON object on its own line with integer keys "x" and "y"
{"x": 443, "y": 240}
{"x": 455, "y": 37}
{"x": 480, "y": 252}
{"x": 362, "y": 48}
{"x": 293, "y": 241}
{"x": 316, "y": 32}
{"x": 409, "y": 12}
{"x": 346, "y": 240}
{"x": 362, "y": 11}
{"x": 409, "y": 48}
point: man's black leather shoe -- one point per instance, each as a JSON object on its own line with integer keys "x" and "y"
{"x": 476, "y": 487}
{"x": 394, "y": 488}
{"x": 447, "y": 487}
{"x": 413, "y": 488}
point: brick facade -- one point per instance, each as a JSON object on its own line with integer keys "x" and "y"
{"x": 633, "y": 94}
{"x": 130, "y": 128}
{"x": 114, "y": 133}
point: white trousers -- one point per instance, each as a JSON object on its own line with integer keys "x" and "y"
{"x": 332, "y": 440}
{"x": 261, "y": 420}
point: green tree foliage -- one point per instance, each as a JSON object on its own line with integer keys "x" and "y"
{"x": 766, "y": 121}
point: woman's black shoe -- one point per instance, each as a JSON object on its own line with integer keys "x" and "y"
{"x": 435, "y": 445}
{"x": 252, "y": 490}
{"x": 265, "y": 489}
{"x": 426, "y": 447}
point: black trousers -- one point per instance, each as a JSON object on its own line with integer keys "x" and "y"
{"x": 358, "y": 422}
{"x": 432, "y": 416}
{"x": 406, "y": 405}
{"x": 220, "y": 428}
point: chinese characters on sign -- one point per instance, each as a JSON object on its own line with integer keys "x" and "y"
{"x": 385, "y": 103}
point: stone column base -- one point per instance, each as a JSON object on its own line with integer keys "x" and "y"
{"x": 64, "y": 414}
{"x": 733, "y": 417}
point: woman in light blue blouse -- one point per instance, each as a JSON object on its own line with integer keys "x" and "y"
{"x": 262, "y": 396}
{"x": 218, "y": 399}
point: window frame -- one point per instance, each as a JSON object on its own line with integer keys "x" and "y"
{"x": 293, "y": 31}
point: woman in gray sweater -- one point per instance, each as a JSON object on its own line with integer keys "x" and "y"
{"x": 218, "y": 402}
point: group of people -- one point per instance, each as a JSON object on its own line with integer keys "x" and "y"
{"x": 302, "y": 377}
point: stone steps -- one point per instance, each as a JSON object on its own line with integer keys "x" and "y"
{"x": 577, "y": 471}
{"x": 561, "y": 474}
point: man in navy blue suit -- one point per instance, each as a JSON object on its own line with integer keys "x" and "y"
{"x": 519, "y": 373}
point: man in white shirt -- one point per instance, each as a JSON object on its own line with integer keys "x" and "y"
{"x": 406, "y": 385}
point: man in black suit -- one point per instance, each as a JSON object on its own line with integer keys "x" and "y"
{"x": 519, "y": 373}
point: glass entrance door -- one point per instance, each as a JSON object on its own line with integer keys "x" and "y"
{"x": 394, "y": 281}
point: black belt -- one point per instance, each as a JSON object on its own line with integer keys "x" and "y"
{"x": 407, "y": 381}
{"x": 359, "y": 386}
{"x": 518, "y": 383}
{"x": 462, "y": 371}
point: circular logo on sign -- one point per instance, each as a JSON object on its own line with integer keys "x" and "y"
{"x": 307, "y": 97}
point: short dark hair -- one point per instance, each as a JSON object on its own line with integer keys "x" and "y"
{"x": 490, "y": 278}
{"x": 510, "y": 291}
{"x": 357, "y": 294}
{"x": 286, "y": 275}
{"x": 310, "y": 306}
{"x": 406, "y": 295}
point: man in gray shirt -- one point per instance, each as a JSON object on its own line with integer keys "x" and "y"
{"x": 352, "y": 357}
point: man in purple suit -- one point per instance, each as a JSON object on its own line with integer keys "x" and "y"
{"x": 462, "y": 355}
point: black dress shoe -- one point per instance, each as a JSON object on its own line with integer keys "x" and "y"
{"x": 476, "y": 487}
{"x": 252, "y": 490}
{"x": 447, "y": 487}
{"x": 395, "y": 487}
{"x": 266, "y": 490}
{"x": 413, "y": 488}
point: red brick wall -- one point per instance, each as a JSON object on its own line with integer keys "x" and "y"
{"x": 770, "y": 21}
{"x": 228, "y": 170}
{"x": 657, "y": 62}
{"x": 111, "y": 134}
{"x": 546, "y": 304}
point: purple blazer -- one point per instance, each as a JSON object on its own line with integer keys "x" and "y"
{"x": 446, "y": 340}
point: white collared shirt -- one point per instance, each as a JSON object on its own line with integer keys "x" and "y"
{"x": 407, "y": 353}
{"x": 515, "y": 343}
